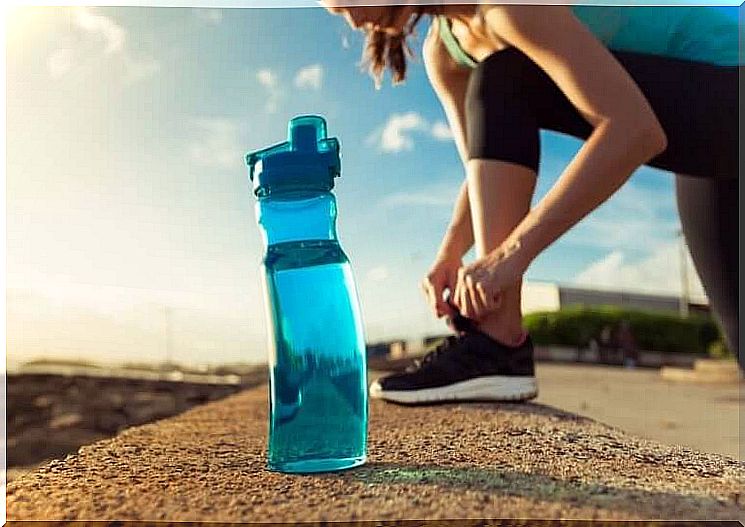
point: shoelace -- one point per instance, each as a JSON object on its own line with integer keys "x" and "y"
{"x": 460, "y": 324}
{"x": 442, "y": 348}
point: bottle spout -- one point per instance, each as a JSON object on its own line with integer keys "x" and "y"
{"x": 307, "y": 133}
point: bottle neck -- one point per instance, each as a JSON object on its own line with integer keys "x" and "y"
{"x": 297, "y": 216}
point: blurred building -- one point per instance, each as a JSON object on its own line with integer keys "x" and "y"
{"x": 398, "y": 349}
{"x": 394, "y": 349}
{"x": 541, "y": 296}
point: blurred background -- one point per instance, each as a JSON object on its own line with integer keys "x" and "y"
{"x": 132, "y": 249}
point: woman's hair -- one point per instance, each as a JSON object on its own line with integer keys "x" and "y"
{"x": 385, "y": 51}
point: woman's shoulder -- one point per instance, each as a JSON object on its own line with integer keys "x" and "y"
{"x": 432, "y": 39}
{"x": 437, "y": 57}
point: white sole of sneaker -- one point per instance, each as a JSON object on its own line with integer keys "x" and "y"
{"x": 492, "y": 388}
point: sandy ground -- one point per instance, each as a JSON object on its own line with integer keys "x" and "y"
{"x": 705, "y": 417}
{"x": 447, "y": 461}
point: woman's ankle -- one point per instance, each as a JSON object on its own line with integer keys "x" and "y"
{"x": 510, "y": 334}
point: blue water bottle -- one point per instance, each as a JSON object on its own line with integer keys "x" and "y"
{"x": 318, "y": 373}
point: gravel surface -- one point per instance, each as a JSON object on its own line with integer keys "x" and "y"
{"x": 447, "y": 461}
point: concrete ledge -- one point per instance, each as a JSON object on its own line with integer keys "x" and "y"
{"x": 448, "y": 461}
{"x": 705, "y": 371}
{"x": 687, "y": 375}
{"x": 720, "y": 367}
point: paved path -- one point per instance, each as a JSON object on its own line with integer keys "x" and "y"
{"x": 702, "y": 416}
{"x": 449, "y": 461}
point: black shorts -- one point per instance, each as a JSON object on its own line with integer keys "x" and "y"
{"x": 510, "y": 99}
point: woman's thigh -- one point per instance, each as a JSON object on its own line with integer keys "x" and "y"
{"x": 697, "y": 105}
{"x": 510, "y": 99}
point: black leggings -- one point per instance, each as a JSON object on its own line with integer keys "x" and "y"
{"x": 510, "y": 99}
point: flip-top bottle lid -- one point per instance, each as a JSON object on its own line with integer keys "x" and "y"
{"x": 308, "y": 160}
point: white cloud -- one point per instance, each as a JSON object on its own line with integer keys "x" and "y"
{"x": 378, "y": 274}
{"x": 60, "y": 61}
{"x": 269, "y": 80}
{"x": 266, "y": 78}
{"x": 396, "y": 134}
{"x": 218, "y": 145}
{"x": 309, "y": 77}
{"x": 441, "y": 131}
{"x": 211, "y": 16}
{"x": 659, "y": 272}
{"x": 136, "y": 70}
{"x": 102, "y": 26}
{"x": 637, "y": 230}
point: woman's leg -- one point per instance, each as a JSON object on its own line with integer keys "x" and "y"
{"x": 504, "y": 151}
{"x": 709, "y": 216}
{"x": 499, "y": 194}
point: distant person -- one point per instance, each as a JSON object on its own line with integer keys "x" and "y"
{"x": 641, "y": 85}
{"x": 593, "y": 347}
{"x": 627, "y": 344}
{"x": 607, "y": 343}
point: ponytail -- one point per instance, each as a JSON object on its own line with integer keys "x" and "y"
{"x": 384, "y": 51}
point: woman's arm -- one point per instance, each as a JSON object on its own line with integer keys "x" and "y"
{"x": 626, "y": 132}
{"x": 450, "y": 82}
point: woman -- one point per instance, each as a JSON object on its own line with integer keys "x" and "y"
{"x": 646, "y": 85}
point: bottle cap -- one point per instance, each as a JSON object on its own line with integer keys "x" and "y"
{"x": 308, "y": 160}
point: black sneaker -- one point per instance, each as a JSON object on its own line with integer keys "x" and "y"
{"x": 468, "y": 367}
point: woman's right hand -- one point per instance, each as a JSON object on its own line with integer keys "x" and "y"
{"x": 442, "y": 276}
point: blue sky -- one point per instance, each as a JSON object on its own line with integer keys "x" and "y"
{"x": 127, "y": 191}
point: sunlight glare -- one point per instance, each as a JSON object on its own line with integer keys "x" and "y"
{"x": 21, "y": 19}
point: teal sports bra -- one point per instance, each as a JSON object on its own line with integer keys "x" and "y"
{"x": 703, "y": 34}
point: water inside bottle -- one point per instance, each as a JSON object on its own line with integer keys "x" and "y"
{"x": 318, "y": 378}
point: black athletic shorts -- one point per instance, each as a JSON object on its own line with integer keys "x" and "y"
{"x": 510, "y": 99}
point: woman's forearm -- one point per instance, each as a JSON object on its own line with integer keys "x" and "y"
{"x": 605, "y": 162}
{"x": 458, "y": 238}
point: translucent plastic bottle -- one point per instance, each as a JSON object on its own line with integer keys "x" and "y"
{"x": 318, "y": 379}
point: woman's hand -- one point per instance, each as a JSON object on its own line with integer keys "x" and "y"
{"x": 442, "y": 276}
{"x": 479, "y": 285}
